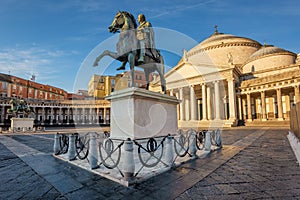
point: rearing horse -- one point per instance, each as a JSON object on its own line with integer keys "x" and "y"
{"x": 128, "y": 49}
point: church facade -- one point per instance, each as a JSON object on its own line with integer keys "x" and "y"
{"x": 227, "y": 79}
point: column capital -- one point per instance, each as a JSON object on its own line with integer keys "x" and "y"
{"x": 231, "y": 79}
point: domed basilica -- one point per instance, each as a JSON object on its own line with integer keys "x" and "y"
{"x": 227, "y": 79}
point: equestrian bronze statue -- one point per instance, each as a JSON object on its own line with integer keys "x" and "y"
{"x": 19, "y": 106}
{"x": 135, "y": 46}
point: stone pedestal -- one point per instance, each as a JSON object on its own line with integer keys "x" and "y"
{"x": 21, "y": 124}
{"x": 138, "y": 113}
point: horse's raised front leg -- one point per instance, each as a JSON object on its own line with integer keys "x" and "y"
{"x": 105, "y": 53}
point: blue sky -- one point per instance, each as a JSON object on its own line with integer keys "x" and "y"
{"x": 57, "y": 39}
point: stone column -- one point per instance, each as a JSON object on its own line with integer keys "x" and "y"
{"x": 225, "y": 101}
{"x": 217, "y": 100}
{"x": 187, "y": 109}
{"x": 109, "y": 110}
{"x": 94, "y": 115}
{"x": 104, "y": 115}
{"x": 181, "y": 104}
{"x": 204, "y": 106}
{"x": 249, "y": 111}
{"x": 171, "y": 93}
{"x": 209, "y": 102}
{"x": 60, "y": 115}
{"x": 71, "y": 114}
{"x": 178, "y": 107}
{"x": 43, "y": 115}
{"x": 97, "y": 116}
{"x": 75, "y": 110}
{"x": 279, "y": 104}
{"x": 232, "y": 100}
{"x": 68, "y": 115}
{"x": 240, "y": 107}
{"x": 297, "y": 94}
{"x": 2, "y": 114}
{"x": 275, "y": 110}
{"x": 52, "y": 116}
{"x": 83, "y": 115}
{"x": 244, "y": 108}
{"x": 90, "y": 115}
{"x": 193, "y": 103}
{"x": 198, "y": 109}
{"x": 263, "y": 105}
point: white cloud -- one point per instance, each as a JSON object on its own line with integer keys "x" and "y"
{"x": 25, "y": 62}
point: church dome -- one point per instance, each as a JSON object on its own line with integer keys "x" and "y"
{"x": 221, "y": 38}
{"x": 267, "y": 57}
{"x": 267, "y": 50}
{"x": 223, "y": 49}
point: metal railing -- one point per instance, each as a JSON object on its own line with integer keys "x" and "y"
{"x": 130, "y": 157}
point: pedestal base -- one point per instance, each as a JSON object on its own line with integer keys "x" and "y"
{"x": 21, "y": 124}
{"x": 137, "y": 113}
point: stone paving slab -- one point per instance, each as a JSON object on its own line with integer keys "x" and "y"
{"x": 20, "y": 181}
{"x": 267, "y": 169}
{"x": 253, "y": 164}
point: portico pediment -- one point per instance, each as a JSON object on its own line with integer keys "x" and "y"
{"x": 187, "y": 71}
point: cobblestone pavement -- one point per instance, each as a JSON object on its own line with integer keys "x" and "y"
{"x": 254, "y": 163}
{"x": 267, "y": 169}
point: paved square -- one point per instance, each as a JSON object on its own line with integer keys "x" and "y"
{"x": 254, "y": 163}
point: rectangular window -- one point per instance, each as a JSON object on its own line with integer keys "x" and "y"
{"x": 4, "y": 85}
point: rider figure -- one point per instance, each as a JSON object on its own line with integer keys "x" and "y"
{"x": 145, "y": 36}
{"x": 22, "y": 105}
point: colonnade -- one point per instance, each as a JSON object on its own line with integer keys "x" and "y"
{"x": 272, "y": 103}
{"x": 63, "y": 114}
{"x": 215, "y": 100}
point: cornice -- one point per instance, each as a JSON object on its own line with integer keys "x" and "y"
{"x": 230, "y": 44}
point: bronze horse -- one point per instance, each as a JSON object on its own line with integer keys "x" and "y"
{"x": 128, "y": 49}
{"x": 19, "y": 106}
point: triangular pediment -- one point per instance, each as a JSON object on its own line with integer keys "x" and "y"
{"x": 186, "y": 70}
